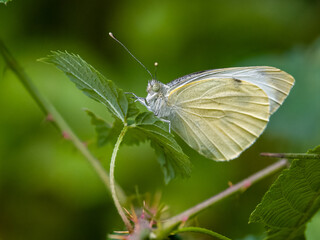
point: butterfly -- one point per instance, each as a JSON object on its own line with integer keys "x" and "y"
{"x": 220, "y": 112}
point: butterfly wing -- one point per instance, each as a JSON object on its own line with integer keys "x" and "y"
{"x": 219, "y": 117}
{"x": 274, "y": 82}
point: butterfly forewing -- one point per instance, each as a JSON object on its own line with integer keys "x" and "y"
{"x": 274, "y": 82}
{"x": 218, "y": 117}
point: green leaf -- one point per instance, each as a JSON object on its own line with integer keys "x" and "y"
{"x": 93, "y": 83}
{"x": 105, "y": 132}
{"x": 313, "y": 230}
{"x": 5, "y": 1}
{"x": 108, "y": 133}
{"x": 147, "y": 127}
{"x": 291, "y": 201}
{"x": 170, "y": 155}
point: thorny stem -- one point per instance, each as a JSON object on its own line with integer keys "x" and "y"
{"x": 58, "y": 120}
{"x": 173, "y": 222}
{"x": 291, "y": 155}
{"x": 112, "y": 181}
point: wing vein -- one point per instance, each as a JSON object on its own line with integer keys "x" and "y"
{"x": 233, "y": 123}
{"x": 226, "y": 134}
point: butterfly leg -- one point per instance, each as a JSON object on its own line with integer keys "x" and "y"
{"x": 139, "y": 99}
{"x": 167, "y": 121}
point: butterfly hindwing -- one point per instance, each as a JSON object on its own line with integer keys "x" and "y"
{"x": 219, "y": 117}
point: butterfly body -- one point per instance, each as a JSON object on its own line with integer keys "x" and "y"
{"x": 220, "y": 113}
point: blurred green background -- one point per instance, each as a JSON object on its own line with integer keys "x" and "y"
{"x": 49, "y": 191}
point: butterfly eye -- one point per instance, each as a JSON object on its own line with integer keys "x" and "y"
{"x": 156, "y": 87}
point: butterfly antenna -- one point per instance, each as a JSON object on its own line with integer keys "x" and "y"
{"x": 155, "y": 70}
{"x": 111, "y": 35}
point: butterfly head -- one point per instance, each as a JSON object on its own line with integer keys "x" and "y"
{"x": 153, "y": 86}
{"x": 153, "y": 90}
{"x": 156, "y": 93}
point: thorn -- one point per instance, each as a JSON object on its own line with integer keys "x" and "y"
{"x": 143, "y": 214}
{"x": 115, "y": 236}
{"x": 275, "y": 155}
{"x": 134, "y": 215}
{"x": 184, "y": 219}
{"x": 151, "y": 223}
{"x": 65, "y": 135}
{"x": 121, "y": 232}
{"x": 230, "y": 183}
{"x": 246, "y": 185}
{"x": 129, "y": 214}
{"x": 49, "y": 118}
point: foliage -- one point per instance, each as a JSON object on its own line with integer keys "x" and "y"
{"x": 170, "y": 156}
{"x": 35, "y": 164}
{"x": 286, "y": 208}
{"x": 143, "y": 125}
{"x": 291, "y": 201}
{"x": 92, "y": 83}
{"x": 105, "y": 132}
{"x": 147, "y": 127}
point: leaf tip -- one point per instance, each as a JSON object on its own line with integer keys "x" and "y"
{"x": 49, "y": 58}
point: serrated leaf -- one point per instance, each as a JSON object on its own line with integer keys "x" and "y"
{"x": 132, "y": 109}
{"x": 106, "y": 133}
{"x": 291, "y": 201}
{"x": 147, "y": 127}
{"x": 92, "y": 83}
{"x": 170, "y": 155}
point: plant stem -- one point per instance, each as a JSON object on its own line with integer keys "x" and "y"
{"x": 58, "y": 121}
{"x": 201, "y": 230}
{"x": 112, "y": 180}
{"x": 173, "y": 222}
{"x": 291, "y": 155}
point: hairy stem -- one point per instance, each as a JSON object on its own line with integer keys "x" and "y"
{"x": 112, "y": 180}
{"x": 291, "y": 155}
{"x": 173, "y": 222}
{"x": 58, "y": 121}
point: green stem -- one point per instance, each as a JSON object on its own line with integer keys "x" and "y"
{"x": 291, "y": 155}
{"x": 201, "y": 230}
{"x": 112, "y": 180}
{"x": 58, "y": 120}
{"x": 175, "y": 221}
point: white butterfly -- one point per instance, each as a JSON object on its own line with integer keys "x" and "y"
{"x": 221, "y": 112}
